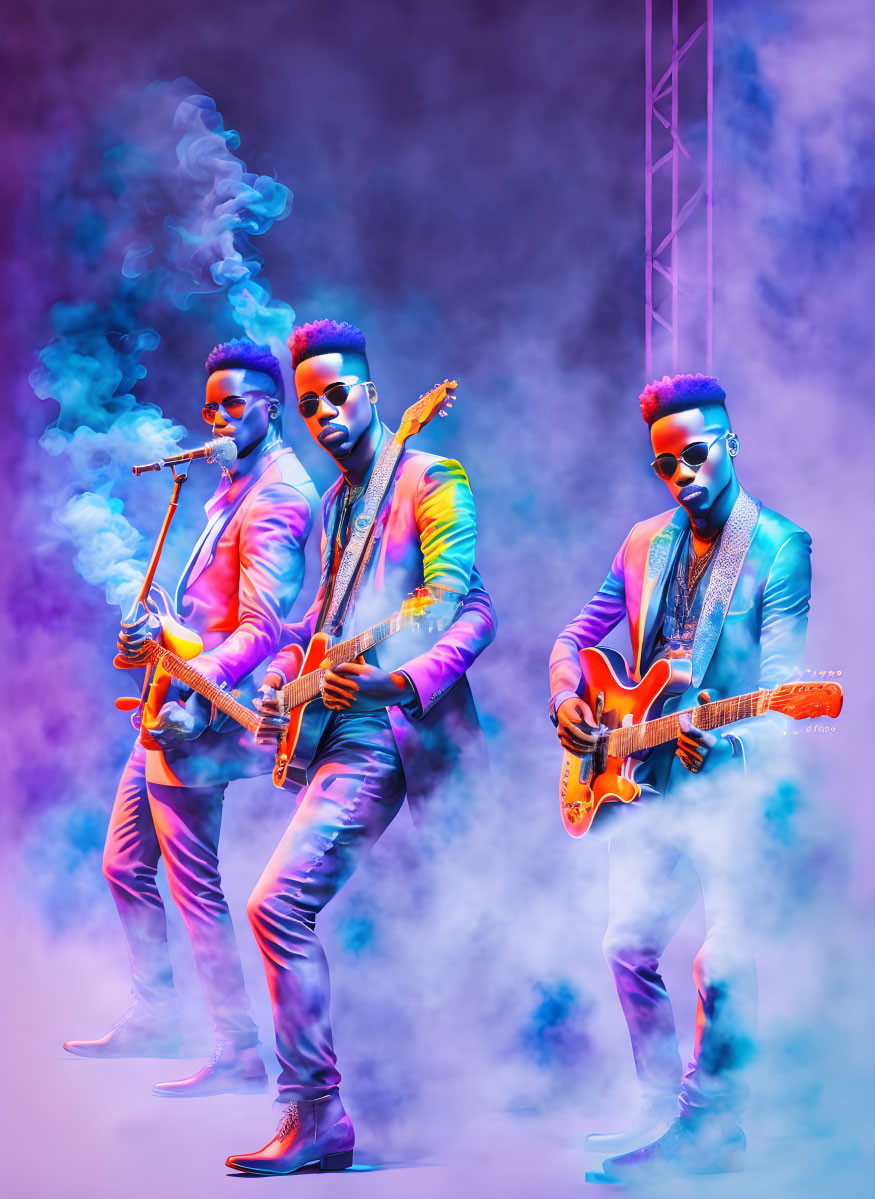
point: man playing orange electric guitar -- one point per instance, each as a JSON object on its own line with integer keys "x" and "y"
{"x": 722, "y": 583}
{"x": 237, "y": 588}
{"x": 401, "y": 723}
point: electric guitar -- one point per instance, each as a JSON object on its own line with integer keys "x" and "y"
{"x": 631, "y": 711}
{"x": 306, "y": 725}
{"x": 297, "y": 745}
{"x": 166, "y": 657}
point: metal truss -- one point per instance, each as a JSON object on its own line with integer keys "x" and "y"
{"x": 679, "y": 185}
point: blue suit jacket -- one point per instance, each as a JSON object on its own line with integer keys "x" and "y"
{"x": 751, "y": 633}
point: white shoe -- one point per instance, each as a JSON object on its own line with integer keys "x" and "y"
{"x": 654, "y": 1117}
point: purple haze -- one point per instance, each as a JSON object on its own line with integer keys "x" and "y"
{"x": 468, "y": 190}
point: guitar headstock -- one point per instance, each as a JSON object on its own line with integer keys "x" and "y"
{"x": 415, "y": 607}
{"x": 805, "y": 700}
{"x": 436, "y": 402}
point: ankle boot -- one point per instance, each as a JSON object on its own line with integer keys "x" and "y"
{"x": 229, "y": 1071}
{"x": 653, "y": 1119}
{"x": 316, "y": 1133}
{"x": 135, "y": 1034}
{"x": 703, "y": 1144}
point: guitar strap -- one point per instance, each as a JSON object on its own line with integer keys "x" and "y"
{"x": 355, "y": 556}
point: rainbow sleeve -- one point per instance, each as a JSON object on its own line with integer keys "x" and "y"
{"x": 447, "y": 525}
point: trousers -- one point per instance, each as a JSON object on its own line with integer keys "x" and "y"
{"x": 180, "y": 825}
{"x": 665, "y": 852}
{"x": 355, "y": 789}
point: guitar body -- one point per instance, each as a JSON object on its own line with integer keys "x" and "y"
{"x": 307, "y": 723}
{"x": 586, "y": 783}
{"x": 175, "y": 636}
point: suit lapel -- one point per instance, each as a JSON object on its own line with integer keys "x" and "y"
{"x": 203, "y": 552}
{"x": 734, "y": 543}
{"x": 661, "y": 558}
{"x": 331, "y": 521}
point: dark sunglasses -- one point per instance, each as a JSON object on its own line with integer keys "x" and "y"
{"x": 336, "y": 394}
{"x": 233, "y": 405}
{"x": 694, "y": 456}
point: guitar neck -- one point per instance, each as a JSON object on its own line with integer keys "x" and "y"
{"x": 309, "y": 686}
{"x": 634, "y": 738}
{"x": 180, "y": 669}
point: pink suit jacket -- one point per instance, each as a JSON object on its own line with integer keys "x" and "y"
{"x": 237, "y": 589}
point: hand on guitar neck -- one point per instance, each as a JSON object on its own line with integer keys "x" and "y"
{"x": 697, "y": 746}
{"x": 132, "y": 639}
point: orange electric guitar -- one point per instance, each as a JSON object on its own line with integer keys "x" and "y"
{"x": 631, "y": 712}
{"x": 307, "y": 723}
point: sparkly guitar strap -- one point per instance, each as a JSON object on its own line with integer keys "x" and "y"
{"x": 357, "y": 552}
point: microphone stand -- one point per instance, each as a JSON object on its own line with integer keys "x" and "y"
{"x": 179, "y": 477}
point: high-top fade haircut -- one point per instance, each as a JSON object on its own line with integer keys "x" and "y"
{"x": 677, "y": 394}
{"x": 243, "y": 354}
{"x": 326, "y": 337}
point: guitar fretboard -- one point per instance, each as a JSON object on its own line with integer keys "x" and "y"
{"x": 180, "y": 669}
{"x": 636, "y": 737}
{"x": 308, "y": 686}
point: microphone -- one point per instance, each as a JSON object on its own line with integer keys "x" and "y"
{"x": 221, "y": 451}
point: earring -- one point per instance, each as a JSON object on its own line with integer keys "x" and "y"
{"x": 272, "y": 411}
{"x": 732, "y": 444}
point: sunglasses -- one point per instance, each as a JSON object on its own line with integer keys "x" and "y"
{"x": 694, "y": 456}
{"x": 233, "y": 405}
{"x": 336, "y": 394}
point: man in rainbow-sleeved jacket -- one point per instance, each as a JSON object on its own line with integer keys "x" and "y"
{"x": 724, "y": 582}
{"x": 402, "y": 723}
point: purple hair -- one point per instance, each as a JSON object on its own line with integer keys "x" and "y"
{"x": 325, "y": 337}
{"x": 243, "y": 354}
{"x": 677, "y": 394}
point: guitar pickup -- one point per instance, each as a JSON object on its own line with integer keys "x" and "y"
{"x": 599, "y": 753}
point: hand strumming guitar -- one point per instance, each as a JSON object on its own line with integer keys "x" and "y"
{"x": 578, "y": 727}
{"x": 358, "y": 687}
{"x": 181, "y": 719}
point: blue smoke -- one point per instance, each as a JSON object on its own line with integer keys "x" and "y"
{"x": 169, "y": 217}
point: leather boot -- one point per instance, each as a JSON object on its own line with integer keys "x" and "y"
{"x": 654, "y": 1117}
{"x": 702, "y": 1144}
{"x": 136, "y": 1034}
{"x": 316, "y": 1133}
{"x": 229, "y": 1070}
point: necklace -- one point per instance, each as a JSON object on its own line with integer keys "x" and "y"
{"x": 696, "y": 566}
